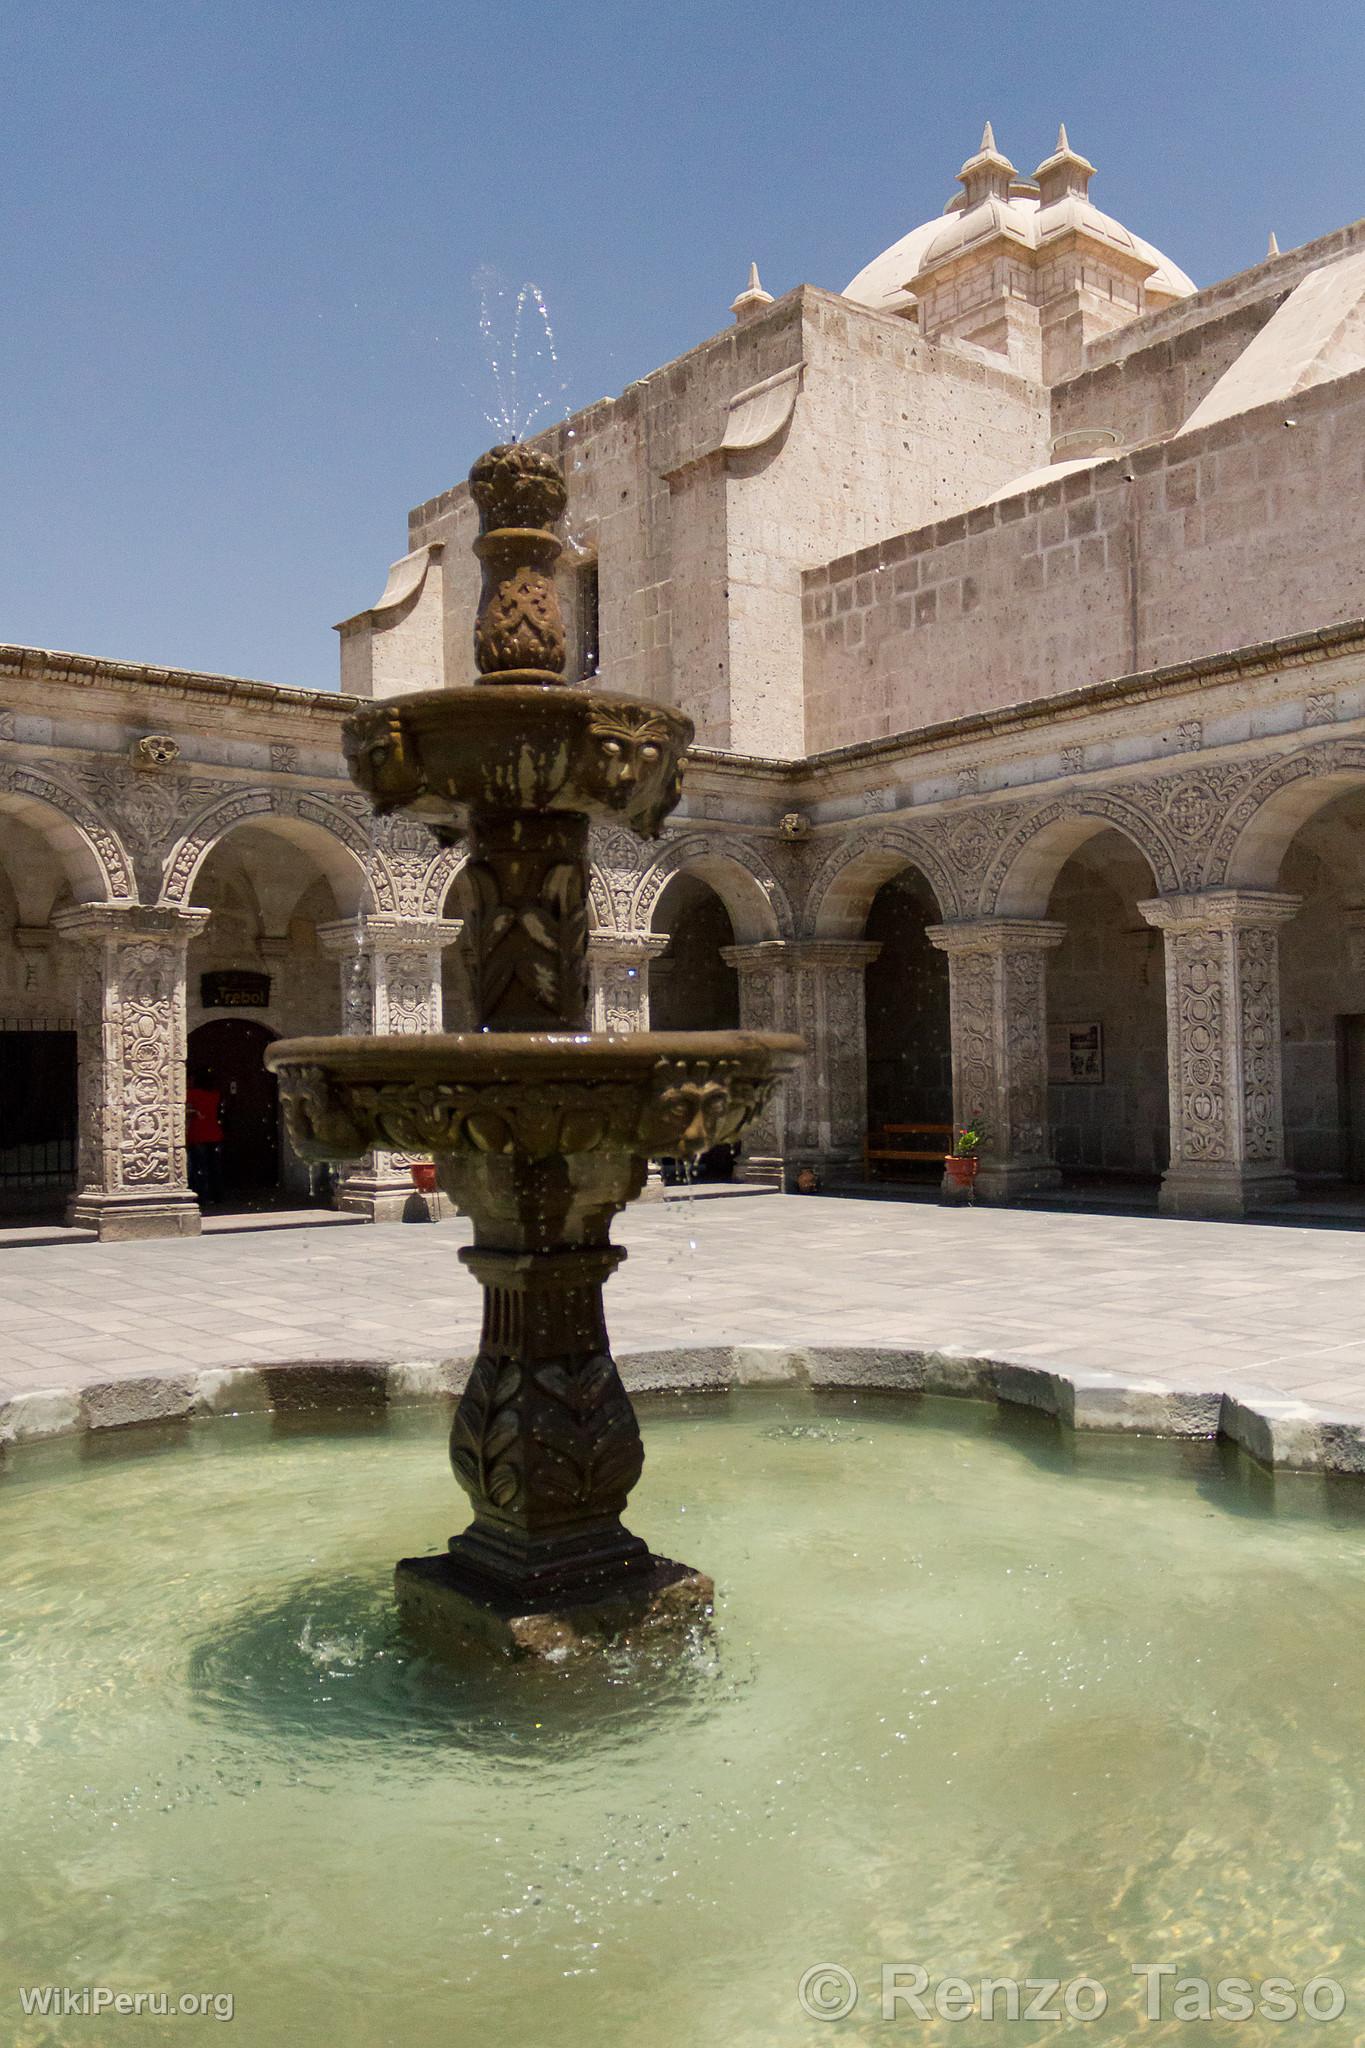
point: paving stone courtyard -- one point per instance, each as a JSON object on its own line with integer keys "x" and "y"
{"x": 1234, "y": 1308}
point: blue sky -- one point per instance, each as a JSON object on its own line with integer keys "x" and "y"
{"x": 241, "y": 336}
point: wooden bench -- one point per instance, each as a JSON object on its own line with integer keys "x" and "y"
{"x": 880, "y": 1143}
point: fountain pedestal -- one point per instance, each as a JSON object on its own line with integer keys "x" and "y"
{"x": 540, "y": 1130}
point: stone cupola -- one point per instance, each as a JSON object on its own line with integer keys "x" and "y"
{"x": 1026, "y": 268}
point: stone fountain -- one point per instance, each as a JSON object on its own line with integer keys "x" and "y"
{"x": 540, "y": 1130}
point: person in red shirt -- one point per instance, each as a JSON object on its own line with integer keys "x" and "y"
{"x": 204, "y": 1136}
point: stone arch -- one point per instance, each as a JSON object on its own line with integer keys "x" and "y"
{"x": 746, "y": 885}
{"x": 440, "y": 877}
{"x": 1022, "y": 875}
{"x": 600, "y": 916}
{"x": 90, "y": 851}
{"x": 841, "y": 894}
{"x": 1249, "y": 849}
{"x": 359, "y": 873}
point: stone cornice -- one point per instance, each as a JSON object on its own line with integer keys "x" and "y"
{"x": 710, "y": 764}
{"x": 92, "y": 671}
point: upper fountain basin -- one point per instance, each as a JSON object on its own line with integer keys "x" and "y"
{"x": 516, "y": 746}
{"x": 536, "y": 1094}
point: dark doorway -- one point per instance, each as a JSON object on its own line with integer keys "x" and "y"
{"x": 37, "y": 1120}
{"x": 691, "y": 987}
{"x": 909, "y": 1049}
{"x": 1351, "y": 1032}
{"x": 230, "y": 1051}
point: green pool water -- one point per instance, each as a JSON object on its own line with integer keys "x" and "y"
{"x": 979, "y": 1698}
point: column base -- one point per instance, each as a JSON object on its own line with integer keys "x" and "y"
{"x": 1006, "y": 1181}
{"x": 832, "y": 1169}
{"x": 394, "y": 1205}
{"x": 391, "y": 1198}
{"x": 1215, "y": 1192}
{"x": 124, "y": 1216}
{"x": 445, "y": 1605}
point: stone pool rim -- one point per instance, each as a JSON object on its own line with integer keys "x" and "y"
{"x": 1277, "y": 1431}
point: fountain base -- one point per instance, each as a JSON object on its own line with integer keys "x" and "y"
{"x": 441, "y": 1601}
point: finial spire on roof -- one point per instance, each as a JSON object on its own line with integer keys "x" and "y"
{"x": 987, "y": 174}
{"x": 1273, "y": 248}
{"x": 1066, "y": 170}
{"x": 752, "y": 299}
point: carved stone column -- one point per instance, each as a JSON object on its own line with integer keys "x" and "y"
{"x": 819, "y": 1118}
{"x": 390, "y": 983}
{"x": 997, "y": 997}
{"x": 1223, "y": 1049}
{"x": 131, "y": 1069}
{"x": 618, "y": 978}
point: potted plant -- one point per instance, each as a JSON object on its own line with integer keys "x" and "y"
{"x": 961, "y": 1163}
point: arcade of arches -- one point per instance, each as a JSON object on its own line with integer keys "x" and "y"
{"x": 1152, "y": 974}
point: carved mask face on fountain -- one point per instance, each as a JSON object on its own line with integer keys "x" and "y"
{"x": 378, "y": 759}
{"x": 642, "y": 778}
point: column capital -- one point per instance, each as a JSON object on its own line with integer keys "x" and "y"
{"x": 1219, "y": 910}
{"x": 997, "y": 935}
{"x": 383, "y": 932}
{"x": 625, "y": 949}
{"x": 804, "y": 953}
{"x": 92, "y": 923}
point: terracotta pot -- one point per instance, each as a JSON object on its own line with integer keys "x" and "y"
{"x": 961, "y": 1172}
{"x": 423, "y": 1173}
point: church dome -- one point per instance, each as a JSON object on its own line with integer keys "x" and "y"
{"x": 997, "y": 202}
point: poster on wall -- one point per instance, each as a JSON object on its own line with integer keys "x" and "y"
{"x": 1075, "y": 1053}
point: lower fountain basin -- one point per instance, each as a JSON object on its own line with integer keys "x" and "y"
{"x": 978, "y": 1697}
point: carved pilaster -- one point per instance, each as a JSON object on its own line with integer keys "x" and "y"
{"x": 1223, "y": 1049}
{"x": 618, "y": 978}
{"x": 390, "y": 984}
{"x": 132, "y": 1179}
{"x": 815, "y": 987}
{"x": 997, "y": 982}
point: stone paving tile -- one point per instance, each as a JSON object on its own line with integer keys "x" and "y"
{"x": 1180, "y": 1303}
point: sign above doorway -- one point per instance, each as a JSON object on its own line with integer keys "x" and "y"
{"x": 234, "y": 988}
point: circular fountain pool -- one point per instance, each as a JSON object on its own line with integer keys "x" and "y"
{"x": 979, "y": 1697}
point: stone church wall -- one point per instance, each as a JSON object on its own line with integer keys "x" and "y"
{"x": 1249, "y": 530}
{"x": 1144, "y": 382}
{"x": 700, "y": 550}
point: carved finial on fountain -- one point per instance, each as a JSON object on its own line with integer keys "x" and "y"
{"x": 519, "y": 632}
